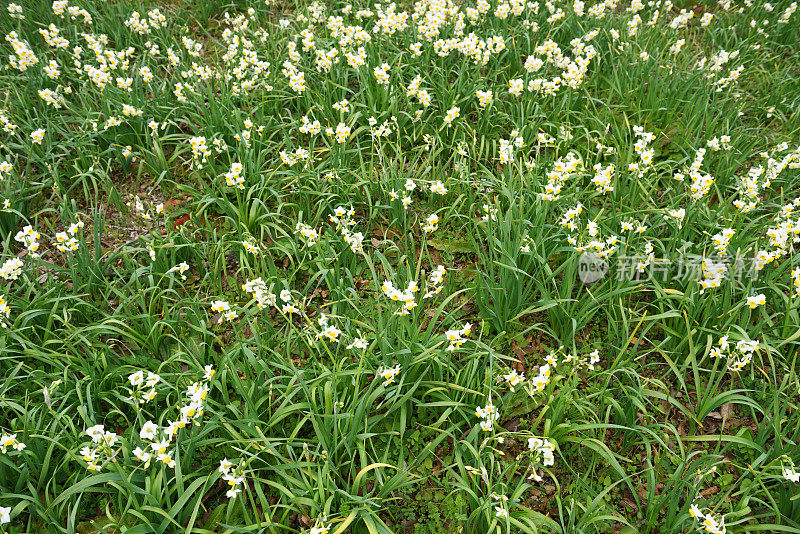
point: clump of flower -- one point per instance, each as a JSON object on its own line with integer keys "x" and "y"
{"x": 288, "y": 303}
{"x": 405, "y": 200}
{"x": 722, "y": 239}
{"x": 679, "y": 215}
{"x": 15, "y": 11}
{"x": 24, "y": 56}
{"x": 713, "y": 524}
{"x": 66, "y": 240}
{"x": 358, "y": 343}
{"x": 30, "y": 238}
{"x": 506, "y": 149}
{"x": 157, "y": 442}
{"x": 713, "y": 274}
{"x": 438, "y": 188}
{"x": 435, "y": 282}
{"x": 343, "y": 219}
{"x": 290, "y": 158}
{"x": 754, "y": 301}
{"x": 181, "y": 268}
{"x": 308, "y": 233}
{"x": 789, "y": 471}
{"x": 233, "y": 474}
{"x": 484, "y": 98}
{"x": 224, "y": 309}
{"x": 738, "y": 355}
{"x": 101, "y": 450}
{"x": 388, "y": 374}
{"x": 200, "y": 150}
{"x": 431, "y": 223}
{"x": 250, "y": 247}
{"x": 261, "y": 293}
{"x": 563, "y": 168}
{"x": 540, "y": 381}
{"x": 329, "y": 332}
{"x": 701, "y": 183}
{"x": 341, "y": 134}
{"x": 144, "y": 386}
{"x": 488, "y": 414}
{"x": 5, "y": 312}
{"x": 451, "y": 115}
{"x": 541, "y": 451}
{"x": 587, "y": 238}
{"x": 194, "y": 404}
{"x": 10, "y": 441}
{"x": 11, "y": 269}
{"x": 514, "y": 379}
{"x": 456, "y": 337}
{"x": 382, "y": 74}
{"x": 406, "y": 298}
{"x": 234, "y": 178}
{"x": 489, "y": 213}
{"x": 642, "y": 148}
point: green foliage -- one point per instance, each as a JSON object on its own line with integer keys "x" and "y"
{"x": 238, "y": 299}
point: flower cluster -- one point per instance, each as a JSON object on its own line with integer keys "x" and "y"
{"x": 754, "y": 301}
{"x": 713, "y": 274}
{"x": 738, "y": 355}
{"x": 514, "y": 379}
{"x": 506, "y": 149}
{"x": 405, "y": 200}
{"x": 66, "y": 240}
{"x": 563, "y": 168}
{"x": 711, "y": 523}
{"x": 234, "y": 178}
{"x": 343, "y": 219}
{"x": 224, "y": 310}
{"x": 233, "y": 474}
{"x": 388, "y": 374}
{"x": 642, "y": 148}
{"x": 431, "y": 223}
{"x": 10, "y": 441}
{"x": 289, "y": 306}
{"x": 329, "y": 332}
{"x": 435, "y": 282}
{"x": 11, "y": 269}
{"x": 406, "y": 298}
{"x": 101, "y": 450}
{"x": 456, "y": 337}
{"x": 308, "y": 233}
{"x": 157, "y": 440}
{"x": 788, "y": 469}
{"x": 144, "y": 386}
{"x": 261, "y": 293}
{"x": 5, "y": 312}
{"x": 156, "y": 443}
{"x": 542, "y": 450}
{"x": 587, "y": 238}
{"x": 488, "y": 414}
{"x": 29, "y": 238}
{"x": 181, "y": 269}
{"x": 700, "y": 183}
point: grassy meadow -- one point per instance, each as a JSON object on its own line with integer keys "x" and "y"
{"x": 479, "y": 266}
